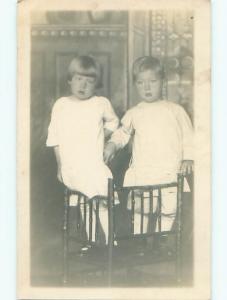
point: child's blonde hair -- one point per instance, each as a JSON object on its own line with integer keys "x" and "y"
{"x": 86, "y": 65}
{"x": 147, "y": 63}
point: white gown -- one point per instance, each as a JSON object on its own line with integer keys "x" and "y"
{"x": 162, "y": 138}
{"x": 77, "y": 127}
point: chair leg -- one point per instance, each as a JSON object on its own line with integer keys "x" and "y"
{"x": 178, "y": 260}
{"x": 110, "y": 230}
{"x": 179, "y": 230}
{"x": 65, "y": 238}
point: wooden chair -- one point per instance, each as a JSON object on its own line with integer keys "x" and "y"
{"x": 113, "y": 257}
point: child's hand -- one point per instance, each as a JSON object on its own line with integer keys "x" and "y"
{"x": 59, "y": 176}
{"x": 107, "y": 133}
{"x": 109, "y": 152}
{"x": 187, "y": 167}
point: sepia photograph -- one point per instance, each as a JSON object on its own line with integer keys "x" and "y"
{"x": 113, "y": 150}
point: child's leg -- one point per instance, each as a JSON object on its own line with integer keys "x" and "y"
{"x": 138, "y": 220}
{"x": 88, "y": 216}
{"x": 95, "y": 217}
{"x": 169, "y": 204}
{"x": 142, "y": 212}
{"x": 103, "y": 217}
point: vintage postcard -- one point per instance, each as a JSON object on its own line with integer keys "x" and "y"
{"x": 113, "y": 150}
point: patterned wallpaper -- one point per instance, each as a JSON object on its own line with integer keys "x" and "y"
{"x": 172, "y": 41}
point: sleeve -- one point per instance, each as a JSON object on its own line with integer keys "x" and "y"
{"x": 52, "y": 137}
{"x": 187, "y": 134}
{"x": 111, "y": 121}
{"x": 123, "y": 134}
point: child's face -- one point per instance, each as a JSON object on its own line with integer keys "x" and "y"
{"x": 149, "y": 85}
{"x": 83, "y": 87}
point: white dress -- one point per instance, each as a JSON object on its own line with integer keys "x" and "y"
{"x": 77, "y": 127}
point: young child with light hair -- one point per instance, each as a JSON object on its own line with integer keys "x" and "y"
{"x": 162, "y": 142}
{"x": 78, "y": 127}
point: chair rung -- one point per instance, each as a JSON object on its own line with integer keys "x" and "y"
{"x": 146, "y": 187}
{"x": 143, "y": 235}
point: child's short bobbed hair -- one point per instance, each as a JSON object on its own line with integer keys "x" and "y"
{"x": 86, "y": 65}
{"x": 147, "y": 63}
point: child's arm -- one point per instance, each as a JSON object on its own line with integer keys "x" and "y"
{"x": 107, "y": 133}
{"x": 187, "y": 164}
{"x": 110, "y": 119}
{"x": 52, "y": 138}
{"x": 111, "y": 123}
{"x": 109, "y": 152}
{"x": 187, "y": 167}
{"x": 119, "y": 138}
{"x": 58, "y": 159}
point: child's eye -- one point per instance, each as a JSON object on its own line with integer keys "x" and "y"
{"x": 139, "y": 82}
{"x": 91, "y": 80}
{"x": 78, "y": 78}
